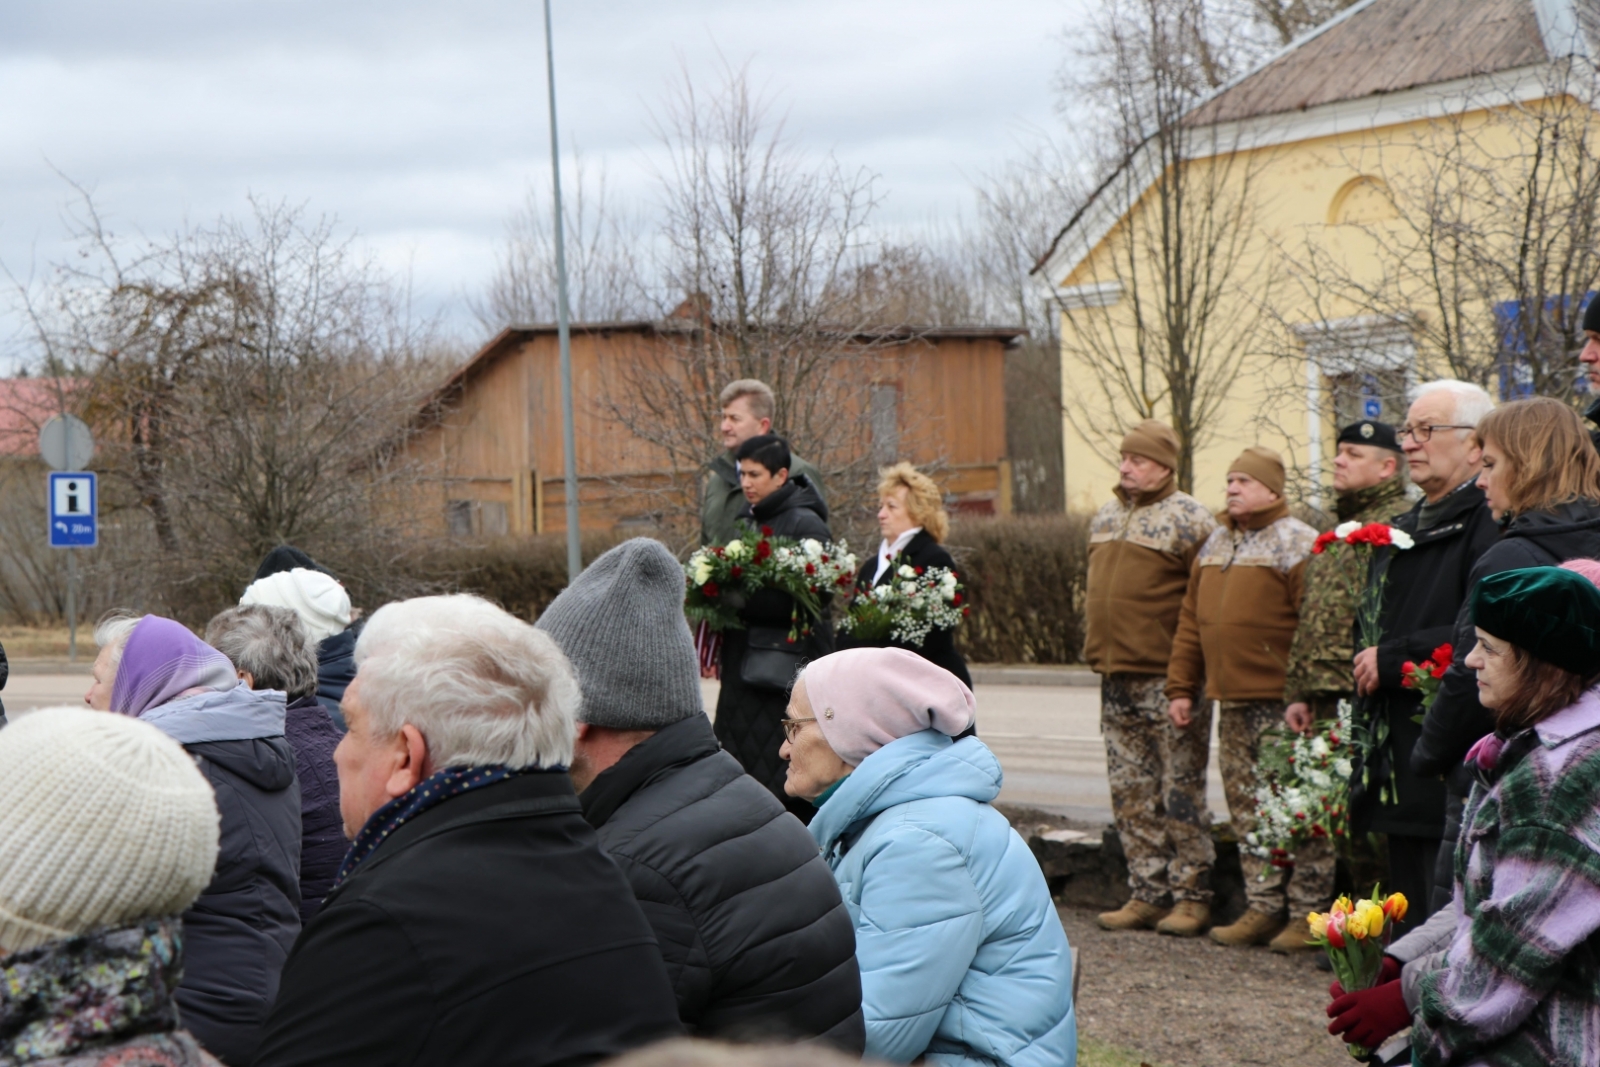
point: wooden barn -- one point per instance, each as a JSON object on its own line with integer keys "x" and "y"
{"x": 491, "y": 434}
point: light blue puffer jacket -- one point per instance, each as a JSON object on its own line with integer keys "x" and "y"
{"x": 962, "y": 954}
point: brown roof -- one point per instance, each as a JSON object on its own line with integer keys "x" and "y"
{"x": 1384, "y": 47}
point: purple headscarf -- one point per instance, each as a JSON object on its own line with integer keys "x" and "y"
{"x": 162, "y": 661}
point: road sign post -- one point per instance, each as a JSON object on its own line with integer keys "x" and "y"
{"x": 67, "y": 446}
{"x": 74, "y": 514}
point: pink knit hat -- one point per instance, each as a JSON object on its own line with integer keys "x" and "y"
{"x": 864, "y": 698}
{"x": 1589, "y": 568}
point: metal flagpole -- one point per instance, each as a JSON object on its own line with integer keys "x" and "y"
{"x": 563, "y": 325}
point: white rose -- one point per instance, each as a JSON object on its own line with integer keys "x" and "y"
{"x": 702, "y": 571}
{"x": 734, "y": 549}
{"x": 813, "y": 547}
{"x": 1342, "y": 768}
{"x": 906, "y": 571}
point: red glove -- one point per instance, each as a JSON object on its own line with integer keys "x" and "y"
{"x": 1388, "y": 971}
{"x": 1370, "y": 1017}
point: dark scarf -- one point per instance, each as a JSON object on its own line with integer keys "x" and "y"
{"x": 438, "y": 787}
{"x": 96, "y": 989}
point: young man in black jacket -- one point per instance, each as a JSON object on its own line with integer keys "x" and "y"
{"x": 1423, "y": 590}
{"x": 475, "y": 920}
{"x": 757, "y": 941}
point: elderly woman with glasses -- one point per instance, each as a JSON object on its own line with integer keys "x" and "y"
{"x": 963, "y": 959}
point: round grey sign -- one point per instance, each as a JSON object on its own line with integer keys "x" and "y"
{"x": 65, "y": 443}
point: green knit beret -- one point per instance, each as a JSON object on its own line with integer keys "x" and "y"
{"x": 1550, "y": 613}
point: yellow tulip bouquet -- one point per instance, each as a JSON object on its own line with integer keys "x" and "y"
{"x": 1354, "y": 935}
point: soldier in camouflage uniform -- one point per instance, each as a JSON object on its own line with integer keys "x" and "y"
{"x": 1369, "y": 487}
{"x": 1238, "y": 618}
{"x": 1141, "y": 546}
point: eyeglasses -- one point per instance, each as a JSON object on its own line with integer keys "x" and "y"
{"x": 1422, "y": 434}
{"x": 791, "y": 727}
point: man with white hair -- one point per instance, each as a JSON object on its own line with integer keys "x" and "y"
{"x": 475, "y": 919}
{"x": 1423, "y": 589}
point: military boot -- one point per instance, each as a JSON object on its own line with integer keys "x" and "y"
{"x": 1252, "y": 928}
{"x": 1189, "y": 919}
{"x": 1296, "y": 937}
{"x": 1136, "y": 914}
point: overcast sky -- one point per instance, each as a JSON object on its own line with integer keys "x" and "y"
{"x": 419, "y": 125}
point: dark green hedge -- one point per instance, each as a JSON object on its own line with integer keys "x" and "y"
{"x": 1024, "y": 578}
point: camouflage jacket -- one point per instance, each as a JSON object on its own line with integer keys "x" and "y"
{"x": 1324, "y": 641}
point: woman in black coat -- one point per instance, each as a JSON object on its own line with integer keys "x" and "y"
{"x": 750, "y": 710}
{"x": 1542, "y": 480}
{"x": 913, "y": 521}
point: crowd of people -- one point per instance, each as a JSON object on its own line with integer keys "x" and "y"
{"x": 441, "y": 834}
{"x": 438, "y": 833}
{"x": 1482, "y": 808}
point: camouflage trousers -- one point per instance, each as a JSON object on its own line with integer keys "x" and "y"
{"x": 1158, "y": 789}
{"x": 1308, "y": 886}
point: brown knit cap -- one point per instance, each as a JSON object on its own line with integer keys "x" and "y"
{"x": 1153, "y": 439}
{"x": 1262, "y": 464}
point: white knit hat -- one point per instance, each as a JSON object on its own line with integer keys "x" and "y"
{"x": 104, "y": 821}
{"x": 319, "y": 600}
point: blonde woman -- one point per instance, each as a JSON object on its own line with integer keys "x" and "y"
{"x": 912, "y": 520}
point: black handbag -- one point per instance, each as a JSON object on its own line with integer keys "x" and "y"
{"x": 771, "y": 660}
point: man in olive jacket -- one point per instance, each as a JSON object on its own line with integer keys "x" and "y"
{"x": 1366, "y": 479}
{"x": 1238, "y": 619}
{"x": 756, "y": 938}
{"x": 748, "y": 407}
{"x": 1141, "y": 548}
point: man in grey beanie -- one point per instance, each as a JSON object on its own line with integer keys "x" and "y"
{"x": 715, "y": 861}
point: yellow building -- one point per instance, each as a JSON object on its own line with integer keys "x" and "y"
{"x": 1327, "y": 230}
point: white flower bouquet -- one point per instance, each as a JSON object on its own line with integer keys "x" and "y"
{"x": 907, "y": 608}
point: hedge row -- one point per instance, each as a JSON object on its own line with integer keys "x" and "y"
{"x": 1024, "y": 578}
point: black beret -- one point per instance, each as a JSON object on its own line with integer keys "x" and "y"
{"x": 1370, "y": 432}
{"x": 1551, "y": 613}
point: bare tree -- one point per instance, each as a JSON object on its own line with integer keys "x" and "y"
{"x": 1176, "y": 300}
{"x": 756, "y": 246}
{"x": 603, "y": 269}
{"x": 246, "y": 381}
{"x": 1285, "y": 20}
{"x": 1480, "y": 234}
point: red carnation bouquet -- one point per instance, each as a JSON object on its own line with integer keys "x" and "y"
{"x": 807, "y": 570}
{"x": 1425, "y": 677}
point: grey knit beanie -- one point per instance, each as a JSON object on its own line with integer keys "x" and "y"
{"x": 621, "y": 624}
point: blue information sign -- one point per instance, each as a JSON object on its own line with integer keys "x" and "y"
{"x": 73, "y": 509}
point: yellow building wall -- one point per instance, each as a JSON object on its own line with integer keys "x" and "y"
{"x": 1298, "y": 192}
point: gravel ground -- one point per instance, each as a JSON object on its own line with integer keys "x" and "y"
{"x": 1178, "y": 1002}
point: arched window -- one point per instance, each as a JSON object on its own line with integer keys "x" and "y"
{"x": 1363, "y": 199}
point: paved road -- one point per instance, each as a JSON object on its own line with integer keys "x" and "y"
{"x": 1047, "y": 738}
{"x": 1049, "y": 744}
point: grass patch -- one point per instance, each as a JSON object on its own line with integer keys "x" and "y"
{"x": 1092, "y": 1053}
{"x": 29, "y": 642}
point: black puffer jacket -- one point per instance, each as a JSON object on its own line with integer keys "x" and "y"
{"x": 1457, "y": 720}
{"x": 749, "y": 719}
{"x": 1423, "y": 590}
{"x": 940, "y": 647}
{"x": 336, "y": 669}
{"x": 239, "y": 933}
{"x": 322, "y": 843}
{"x": 1535, "y": 539}
{"x": 756, "y": 938}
